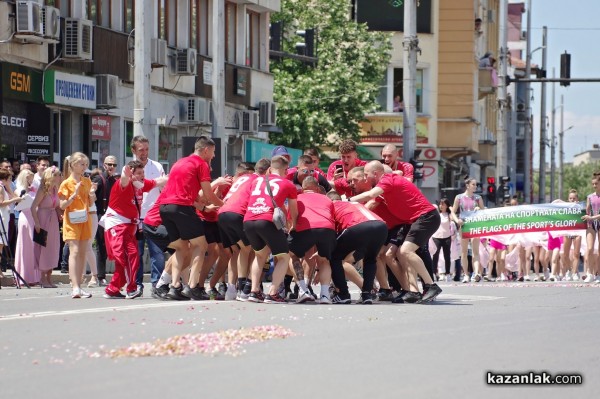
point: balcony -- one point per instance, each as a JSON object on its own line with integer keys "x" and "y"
{"x": 488, "y": 81}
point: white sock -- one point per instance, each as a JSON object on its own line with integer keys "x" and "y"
{"x": 165, "y": 279}
{"x": 325, "y": 290}
{"x": 303, "y": 287}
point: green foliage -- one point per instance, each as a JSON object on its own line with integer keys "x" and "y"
{"x": 322, "y": 105}
{"x": 580, "y": 178}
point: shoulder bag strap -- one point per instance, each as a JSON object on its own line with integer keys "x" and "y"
{"x": 270, "y": 192}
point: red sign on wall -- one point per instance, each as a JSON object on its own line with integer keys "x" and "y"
{"x": 101, "y": 127}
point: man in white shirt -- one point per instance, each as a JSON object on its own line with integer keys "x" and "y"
{"x": 42, "y": 164}
{"x": 152, "y": 169}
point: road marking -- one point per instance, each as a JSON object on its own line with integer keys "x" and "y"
{"x": 21, "y": 316}
{"x": 467, "y": 298}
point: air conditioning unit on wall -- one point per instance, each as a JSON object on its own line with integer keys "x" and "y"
{"x": 78, "y": 39}
{"x": 106, "y": 91}
{"x": 267, "y": 113}
{"x": 51, "y": 24}
{"x": 194, "y": 110}
{"x": 186, "y": 62}
{"x": 247, "y": 122}
{"x": 29, "y": 20}
{"x": 158, "y": 53}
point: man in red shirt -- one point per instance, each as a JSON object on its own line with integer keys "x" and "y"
{"x": 337, "y": 173}
{"x": 121, "y": 223}
{"x": 315, "y": 226}
{"x": 406, "y": 202}
{"x": 306, "y": 167}
{"x": 361, "y": 234}
{"x": 389, "y": 155}
{"x": 188, "y": 176}
{"x": 262, "y": 233}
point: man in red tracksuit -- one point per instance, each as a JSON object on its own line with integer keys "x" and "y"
{"x": 120, "y": 228}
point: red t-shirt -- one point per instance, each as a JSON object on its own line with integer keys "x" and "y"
{"x": 315, "y": 211}
{"x": 348, "y": 214}
{"x": 260, "y": 206}
{"x": 403, "y": 198}
{"x": 184, "y": 181}
{"x": 341, "y": 185}
{"x": 121, "y": 198}
{"x": 236, "y": 199}
{"x": 407, "y": 169}
{"x": 153, "y": 216}
{"x": 384, "y": 213}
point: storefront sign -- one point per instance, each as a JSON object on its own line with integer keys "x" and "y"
{"x": 101, "y": 128}
{"x": 21, "y": 83}
{"x": 68, "y": 89}
{"x": 389, "y": 128}
{"x": 38, "y": 145}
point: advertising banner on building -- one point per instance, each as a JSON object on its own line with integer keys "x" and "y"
{"x": 68, "y": 89}
{"x": 21, "y": 83}
{"x": 101, "y": 127}
{"x": 523, "y": 219}
{"x": 389, "y": 128}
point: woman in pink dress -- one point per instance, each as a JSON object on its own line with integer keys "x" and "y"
{"x": 45, "y": 211}
{"x": 24, "y": 259}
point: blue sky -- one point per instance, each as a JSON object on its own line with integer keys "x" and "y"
{"x": 573, "y": 26}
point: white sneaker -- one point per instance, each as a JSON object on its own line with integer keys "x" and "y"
{"x": 552, "y": 278}
{"x": 305, "y": 297}
{"x": 597, "y": 280}
{"x": 526, "y": 278}
{"x": 466, "y": 278}
{"x": 324, "y": 300}
{"x": 575, "y": 277}
{"x": 231, "y": 293}
{"x": 79, "y": 293}
{"x": 502, "y": 277}
{"x": 588, "y": 279}
{"x": 568, "y": 276}
{"x": 448, "y": 278}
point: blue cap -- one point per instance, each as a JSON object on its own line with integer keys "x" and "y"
{"x": 279, "y": 150}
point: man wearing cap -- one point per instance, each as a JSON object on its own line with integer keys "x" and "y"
{"x": 337, "y": 174}
{"x": 281, "y": 151}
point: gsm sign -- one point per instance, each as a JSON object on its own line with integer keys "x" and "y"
{"x": 20, "y": 82}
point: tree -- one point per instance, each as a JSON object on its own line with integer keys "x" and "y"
{"x": 323, "y": 104}
{"x": 580, "y": 178}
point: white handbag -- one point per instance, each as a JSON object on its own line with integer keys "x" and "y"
{"x": 78, "y": 216}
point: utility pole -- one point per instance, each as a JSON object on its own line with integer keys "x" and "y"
{"x": 501, "y": 136}
{"x": 218, "y": 75}
{"x": 561, "y": 153}
{"x": 552, "y": 143}
{"x": 411, "y": 46}
{"x": 543, "y": 133}
{"x": 527, "y": 139}
{"x": 141, "y": 75}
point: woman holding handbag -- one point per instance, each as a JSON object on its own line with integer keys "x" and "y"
{"x": 76, "y": 194}
{"x": 45, "y": 211}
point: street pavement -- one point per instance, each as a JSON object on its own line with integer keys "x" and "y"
{"x": 53, "y": 346}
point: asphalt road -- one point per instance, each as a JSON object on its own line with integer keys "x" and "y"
{"x": 53, "y": 346}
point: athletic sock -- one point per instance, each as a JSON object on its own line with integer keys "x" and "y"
{"x": 165, "y": 279}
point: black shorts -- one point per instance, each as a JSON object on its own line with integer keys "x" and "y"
{"x": 393, "y": 235}
{"x": 365, "y": 239}
{"x": 231, "y": 226}
{"x": 158, "y": 235}
{"x": 262, "y": 233}
{"x": 211, "y": 231}
{"x": 181, "y": 222}
{"x": 302, "y": 241}
{"x": 423, "y": 228}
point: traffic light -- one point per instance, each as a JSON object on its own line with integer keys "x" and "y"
{"x": 306, "y": 48}
{"x": 417, "y": 166}
{"x": 505, "y": 188}
{"x": 491, "y": 189}
{"x": 275, "y": 30}
{"x": 565, "y": 68}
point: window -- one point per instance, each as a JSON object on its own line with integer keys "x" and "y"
{"x": 397, "y": 89}
{"x": 230, "y": 24}
{"x": 128, "y": 138}
{"x": 167, "y": 152}
{"x": 94, "y": 13}
{"x": 63, "y": 5}
{"x": 162, "y": 20}
{"x": 129, "y": 15}
{"x": 199, "y": 26}
{"x": 252, "y": 39}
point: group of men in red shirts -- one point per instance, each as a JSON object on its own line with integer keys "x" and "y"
{"x": 245, "y": 213}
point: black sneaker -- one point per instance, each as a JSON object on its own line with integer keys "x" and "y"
{"x": 256, "y": 297}
{"x": 175, "y": 294}
{"x": 216, "y": 295}
{"x": 222, "y": 289}
{"x": 385, "y": 295}
{"x": 64, "y": 270}
{"x": 197, "y": 293}
{"x": 411, "y": 297}
{"x": 161, "y": 292}
{"x": 430, "y": 291}
{"x": 366, "y": 298}
{"x": 341, "y": 298}
{"x": 275, "y": 298}
{"x": 398, "y": 299}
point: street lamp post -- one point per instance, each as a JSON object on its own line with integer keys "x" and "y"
{"x": 543, "y": 138}
{"x": 561, "y": 155}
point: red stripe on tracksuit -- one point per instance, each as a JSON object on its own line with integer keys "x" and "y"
{"x": 122, "y": 247}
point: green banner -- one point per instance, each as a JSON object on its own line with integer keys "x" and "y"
{"x": 523, "y": 219}
{"x": 21, "y": 83}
